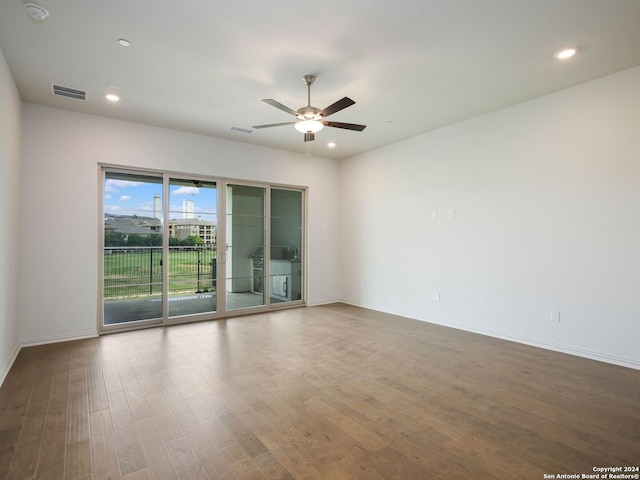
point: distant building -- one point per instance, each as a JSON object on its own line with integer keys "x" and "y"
{"x": 187, "y": 208}
{"x": 132, "y": 225}
{"x": 145, "y": 226}
{"x": 185, "y": 228}
{"x": 157, "y": 211}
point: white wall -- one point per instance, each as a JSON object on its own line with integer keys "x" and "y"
{"x": 59, "y": 195}
{"x": 9, "y": 216}
{"x": 546, "y": 197}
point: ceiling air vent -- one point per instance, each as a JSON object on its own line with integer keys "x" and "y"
{"x": 241, "y": 130}
{"x": 68, "y": 92}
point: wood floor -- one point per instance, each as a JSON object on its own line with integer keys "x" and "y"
{"x": 331, "y": 392}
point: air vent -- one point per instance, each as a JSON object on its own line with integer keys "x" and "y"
{"x": 241, "y": 130}
{"x": 68, "y": 92}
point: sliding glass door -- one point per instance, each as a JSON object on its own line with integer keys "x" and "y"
{"x": 192, "y": 256}
{"x": 132, "y": 248}
{"x": 285, "y": 266}
{"x": 168, "y": 257}
{"x": 245, "y": 224}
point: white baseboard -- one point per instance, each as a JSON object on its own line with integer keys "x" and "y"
{"x": 327, "y": 302}
{"x": 556, "y": 347}
{"x": 7, "y": 367}
{"x": 58, "y": 339}
{"x": 533, "y": 342}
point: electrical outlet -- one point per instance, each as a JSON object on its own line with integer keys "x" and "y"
{"x": 435, "y": 297}
{"x": 555, "y": 316}
{"x": 434, "y": 214}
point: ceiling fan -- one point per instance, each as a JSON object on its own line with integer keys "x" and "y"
{"x": 309, "y": 119}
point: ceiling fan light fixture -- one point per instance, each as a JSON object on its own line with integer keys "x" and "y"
{"x": 309, "y": 126}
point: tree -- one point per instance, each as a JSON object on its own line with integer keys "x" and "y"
{"x": 193, "y": 240}
{"x": 113, "y": 239}
{"x": 190, "y": 241}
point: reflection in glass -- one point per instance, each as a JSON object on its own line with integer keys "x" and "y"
{"x": 245, "y": 227}
{"x": 285, "y": 273}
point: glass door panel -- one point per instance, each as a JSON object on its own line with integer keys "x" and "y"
{"x": 192, "y": 228}
{"x": 132, "y": 250}
{"x": 245, "y": 246}
{"x": 285, "y": 267}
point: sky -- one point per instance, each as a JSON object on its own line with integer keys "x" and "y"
{"x": 124, "y": 197}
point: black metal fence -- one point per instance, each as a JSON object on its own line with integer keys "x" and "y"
{"x": 137, "y": 271}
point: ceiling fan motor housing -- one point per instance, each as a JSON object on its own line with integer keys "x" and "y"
{"x": 309, "y": 113}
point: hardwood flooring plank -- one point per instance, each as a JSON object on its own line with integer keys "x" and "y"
{"x": 128, "y": 448}
{"x": 291, "y": 441}
{"x": 182, "y": 383}
{"x": 96, "y": 389}
{"x": 271, "y": 468}
{"x": 155, "y": 453}
{"x": 177, "y": 403}
{"x": 137, "y": 401}
{"x": 8, "y": 440}
{"x": 32, "y": 429}
{"x": 125, "y": 371}
{"x": 219, "y": 433}
{"x": 110, "y": 374}
{"x": 290, "y": 458}
{"x": 202, "y": 444}
{"x": 240, "y": 463}
{"x": 78, "y": 464}
{"x": 103, "y": 448}
{"x": 140, "y": 475}
{"x": 209, "y": 403}
{"x": 185, "y": 460}
{"x": 366, "y": 438}
{"x": 165, "y": 420}
{"x": 78, "y": 421}
{"x": 245, "y": 437}
{"x": 53, "y": 449}
{"x": 24, "y": 465}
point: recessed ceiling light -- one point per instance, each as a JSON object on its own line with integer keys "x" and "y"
{"x": 566, "y": 53}
{"x": 112, "y": 97}
{"x": 124, "y": 42}
{"x": 331, "y": 144}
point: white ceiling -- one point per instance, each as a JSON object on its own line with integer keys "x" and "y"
{"x": 203, "y": 66}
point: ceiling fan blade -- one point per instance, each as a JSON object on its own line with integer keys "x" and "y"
{"x": 272, "y": 125}
{"x": 346, "y": 126}
{"x": 309, "y": 137}
{"x": 280, "y": 106}
{"x": 336, "y": 107}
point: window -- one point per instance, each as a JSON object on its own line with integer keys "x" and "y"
{"x": 162, "y": 260}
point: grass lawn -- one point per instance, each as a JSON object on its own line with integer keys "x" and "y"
{"x": 136, "y": 272}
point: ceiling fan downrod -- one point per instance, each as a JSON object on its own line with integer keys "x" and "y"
{"x": 308, "y": 81}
